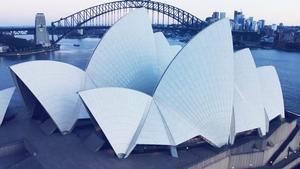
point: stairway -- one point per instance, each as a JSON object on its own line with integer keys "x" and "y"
{"x": 283, "y": 146}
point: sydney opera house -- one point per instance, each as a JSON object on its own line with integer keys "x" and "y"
{"x": 138, "y": 90}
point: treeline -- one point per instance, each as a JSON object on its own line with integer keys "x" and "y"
{"x": 18, "y": 44}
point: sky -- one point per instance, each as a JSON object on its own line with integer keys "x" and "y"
{"x": 22, "y": 12}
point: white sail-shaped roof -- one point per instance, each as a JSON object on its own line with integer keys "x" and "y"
{"x": 5, "y": 97}
{"x": 271, "y": 91}
{"x": 196, "y": 91}
{"x": 193, "y": 98}
{"x": 198, "y": 94}
{"x": 55, "y": 86}
{"x": 203, "y": 92}
{"x": 165, "y": 52}
{"x": 125, "y": 119}
{"x": 125, "y": 57}
{"x": 119, "y": 112}
{"x": 248, "y": 104}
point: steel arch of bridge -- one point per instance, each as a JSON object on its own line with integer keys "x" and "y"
{"x": 76, "y": 20}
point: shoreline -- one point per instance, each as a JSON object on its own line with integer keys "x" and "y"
{"x": 251, "y": 46}
{"x": 274, "y": 48}
{"x": 26, "y": 53}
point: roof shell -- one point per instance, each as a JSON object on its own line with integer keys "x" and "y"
{"x": 193, "y": 98}
{"x": 125, "y": 119}
{"x": 55, "y": 85}
{"x": 271, "y": 92}
{"x": 199, "y": 94}
{"x": 5, "y": 97}
{"x": 248, "y": 103}
{"x": 195, "y": 95}
{"x": 119, "y": 112}
{"x": 125, "y": 56}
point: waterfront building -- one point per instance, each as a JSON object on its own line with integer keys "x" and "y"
{"x": 222, "y": 15}
{"x": 274, "y": 27}
{"x": 216, "y": 15}
{"x": 51, "y": 87}
{"x": 254, "y": 26}
{"x": 178, "y": 109}
{"x": 260, "y": 25}
{"x": 209, "y": 20}
{"x": 239, "y": 20}
{"x": 236, "y": 16}
{"x": 248, "y": 24}
{"x": 281, "y": 24}
{"x": 239, "y": 23}
{"x": 135, "y": 97}
{"x": 5, "y": 97}
{"x": 251, "y": 25}
{"x": 177, "y": 101}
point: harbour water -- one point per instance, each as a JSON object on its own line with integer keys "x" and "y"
{"x": 287, "y": 65}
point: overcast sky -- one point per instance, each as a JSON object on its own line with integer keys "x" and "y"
{"x": 21, "y": 12}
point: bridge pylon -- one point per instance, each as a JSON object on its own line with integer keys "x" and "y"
{"x": 41, "y": 34}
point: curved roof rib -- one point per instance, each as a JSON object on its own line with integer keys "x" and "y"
{"x": 248, "y": 104}
{"x": 55, "y": 86}
{"x": 195, "y": 95}
{"x": 125, "y": 57}
{"x": 5, "y": 97}
{"x": 271, "y": 92}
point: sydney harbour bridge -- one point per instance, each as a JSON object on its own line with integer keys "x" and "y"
{"x": 163, "y": 16}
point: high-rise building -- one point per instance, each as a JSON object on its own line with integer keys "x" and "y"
{"x": 237, "y": 15}
{"x": 222, "y": 15}
{"x": 214, "y": 18}
{"x": 281, "y": 24}
{"x": 249, "y": 24}
{"x": 239, "y": 20}
{"x": 274, "y": 27}
{"x": 254, "y": 26}
{"x": 260, "y": 25}
{"x": 216, "y": 15}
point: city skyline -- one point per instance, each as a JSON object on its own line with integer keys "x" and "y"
{"x": 272, "y": 12}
